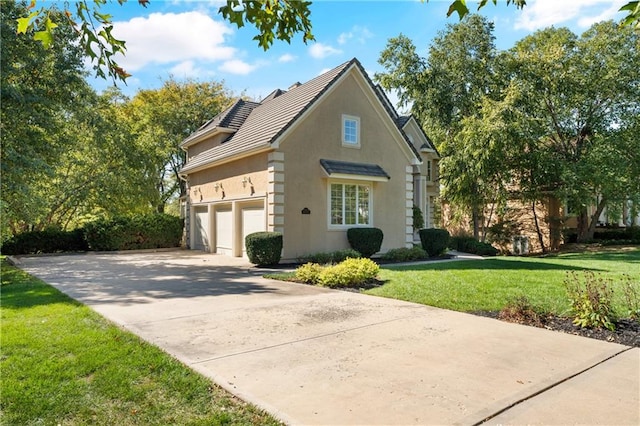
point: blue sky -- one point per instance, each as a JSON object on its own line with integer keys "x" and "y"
{"x": 188, "y": 39}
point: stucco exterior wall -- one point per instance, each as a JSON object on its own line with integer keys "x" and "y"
{"x": 207, "y": 144}
{"x": 319, "y": 136}
{"x": 229, "y": 178}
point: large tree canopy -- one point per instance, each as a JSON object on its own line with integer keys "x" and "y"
{"x": 553, "y": 116}
{"x": 274, "y": 20}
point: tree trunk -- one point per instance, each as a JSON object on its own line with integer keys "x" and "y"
{"x": 586, "y": 224}
{"x": 538, "y": 230}
{"x": 476, "y": 224}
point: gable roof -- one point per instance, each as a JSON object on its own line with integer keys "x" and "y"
{"x": 257, "y": 125}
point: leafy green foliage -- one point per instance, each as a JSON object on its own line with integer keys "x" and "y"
{"x": 434, "y": 241}
{"x": 460, "y": 6}
{"x": 46, "y": 241}
{"x": 418, "y": 218}
{"x": 366, "y": 241}
{"x": 473, "y": 246}
{"x": 404, "y": 254}
{"x": 631, "y": 291}
{"x": 309, "y": 273}
{"x": 329, "y": 257}
{"x": 264, "y": 248}
{"x": 591, "y": 300}
{"x": 348, "y": 273}
{"x": 61, "y": 360}
{"x": 274, "y": 19}
{"x": 134, "y": 232}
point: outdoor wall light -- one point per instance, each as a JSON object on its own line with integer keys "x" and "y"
{"x": 245, "y": 181}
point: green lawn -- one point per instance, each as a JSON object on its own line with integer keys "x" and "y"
{"x": 64, "y": 364}
{"x": 492, "y": 283}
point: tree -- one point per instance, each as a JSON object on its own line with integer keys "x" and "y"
{"x": 580, "y": 98}
{"x": 274, "y": 19}
{"x": 162, "y": 118}
{"x": 446, "y": 90}
{"x": 40, "y": 88}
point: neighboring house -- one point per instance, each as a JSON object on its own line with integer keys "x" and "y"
{"x": 310, "y": 162}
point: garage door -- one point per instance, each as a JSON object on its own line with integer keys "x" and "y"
{"x": 224, "y": 221}
{"x": 201, "y": 239}
{"x": 253, "y": 220}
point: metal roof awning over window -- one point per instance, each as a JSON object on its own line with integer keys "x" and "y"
{"x": 358, "y": 171}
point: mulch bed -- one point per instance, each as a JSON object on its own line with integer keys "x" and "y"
{"x": 627, "y": 331}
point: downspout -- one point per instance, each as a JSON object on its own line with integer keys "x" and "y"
{"x": 186, "y": 234}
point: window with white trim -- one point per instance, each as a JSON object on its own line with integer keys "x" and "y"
{"x": 349, "y": 204}
{"x": 350, "y": 131}
{"x": 429, "y": 170}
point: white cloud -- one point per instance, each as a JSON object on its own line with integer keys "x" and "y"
{"x": 286, "y": 58}
{"x": 187, "y": 69}
{"x": 236, "y": 66}
{"x": 358, "y": 33}
{"x": 320, "y": 50}
{"x": 163, "y": 38}
{"x": 543, "y": 13}
{"x": 323, "y": 70}
{"x": 605, "y": 15}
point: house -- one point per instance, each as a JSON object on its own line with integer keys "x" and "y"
{"x": 309, "y": 162}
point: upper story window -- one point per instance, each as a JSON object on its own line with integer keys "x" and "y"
{"x": 350, "y": 131}
{"x": 429, "y": 175}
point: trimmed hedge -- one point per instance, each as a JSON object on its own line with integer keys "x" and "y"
{"x": 434, "y": 240}
{"x": 120, "y": 233}
{"x": 47, "y": 241}
{"x": 366, "y": 241}
{"x": 134, "y": 232}
{"x": 473, "y": 246}
{"x": 404, "y": 254}
{"x": 323, "y": 258}
{"x": 264, "y": 248}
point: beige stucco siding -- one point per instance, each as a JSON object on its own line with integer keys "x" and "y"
{"x": 207, "y": 144}
{"x": 230, "y": 178}
{"x": 319, "y": 136}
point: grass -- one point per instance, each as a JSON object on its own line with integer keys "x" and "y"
{"x": 62, "y": 363}
{"x": 490, "y": 284}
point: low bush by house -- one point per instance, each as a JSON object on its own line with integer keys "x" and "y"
{"x": 434, "y": 241}
{"x": 264, "y": 248}
{"x": 119, "y": 233}
{"x": 366, "y": 241}
{"x": 348, "y": 273}
{"x": 324, "y": 258}
{"x": 473, "y": 246}
{"x": 404, "y": 254}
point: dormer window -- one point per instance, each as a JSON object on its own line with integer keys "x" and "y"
{"x": 350, "y": 131}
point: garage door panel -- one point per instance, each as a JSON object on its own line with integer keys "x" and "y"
{"x": 253, "y": 220}
{"x": 224, "y": 229}
{"x": 201, "y": 234}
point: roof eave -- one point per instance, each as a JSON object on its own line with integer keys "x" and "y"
{"x": 199, "y": 137}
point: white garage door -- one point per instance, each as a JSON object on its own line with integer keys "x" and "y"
{"x": 201, "y": 240}
{"x": 253, "y": 220}
{"x": 224, "y": 220}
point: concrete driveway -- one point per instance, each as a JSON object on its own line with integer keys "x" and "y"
{"x": 316, "y": 356}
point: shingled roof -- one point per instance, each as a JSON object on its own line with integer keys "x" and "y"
{"x": 258, "y": 125}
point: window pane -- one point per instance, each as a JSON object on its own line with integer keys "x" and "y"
{"x": 336, "y": 204}
{"x": 363, "y": 205}
{"x": 350, "y": 204}
{"x": 350, "y": 131}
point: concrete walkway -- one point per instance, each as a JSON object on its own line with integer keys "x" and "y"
{"x": 316, "y": 356}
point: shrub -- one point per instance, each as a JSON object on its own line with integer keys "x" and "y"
{"x": 631, "y": 292}
{"x": 366, "y": 241}
{"x": 264, "y": 248}
{"x": 418, "y": 218}
{"x": 591, "y": 302}
{"x": 134, "y": 232}
{"x": 434, "y": 241}
{"x": 47, "y": 241}
{"x": 309, "y": 273}
{"x": 329, "y": 257}
{"x": 473, "y": 246}
{"x": 404, "y": 254}
{"x": 349, "y": 273}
